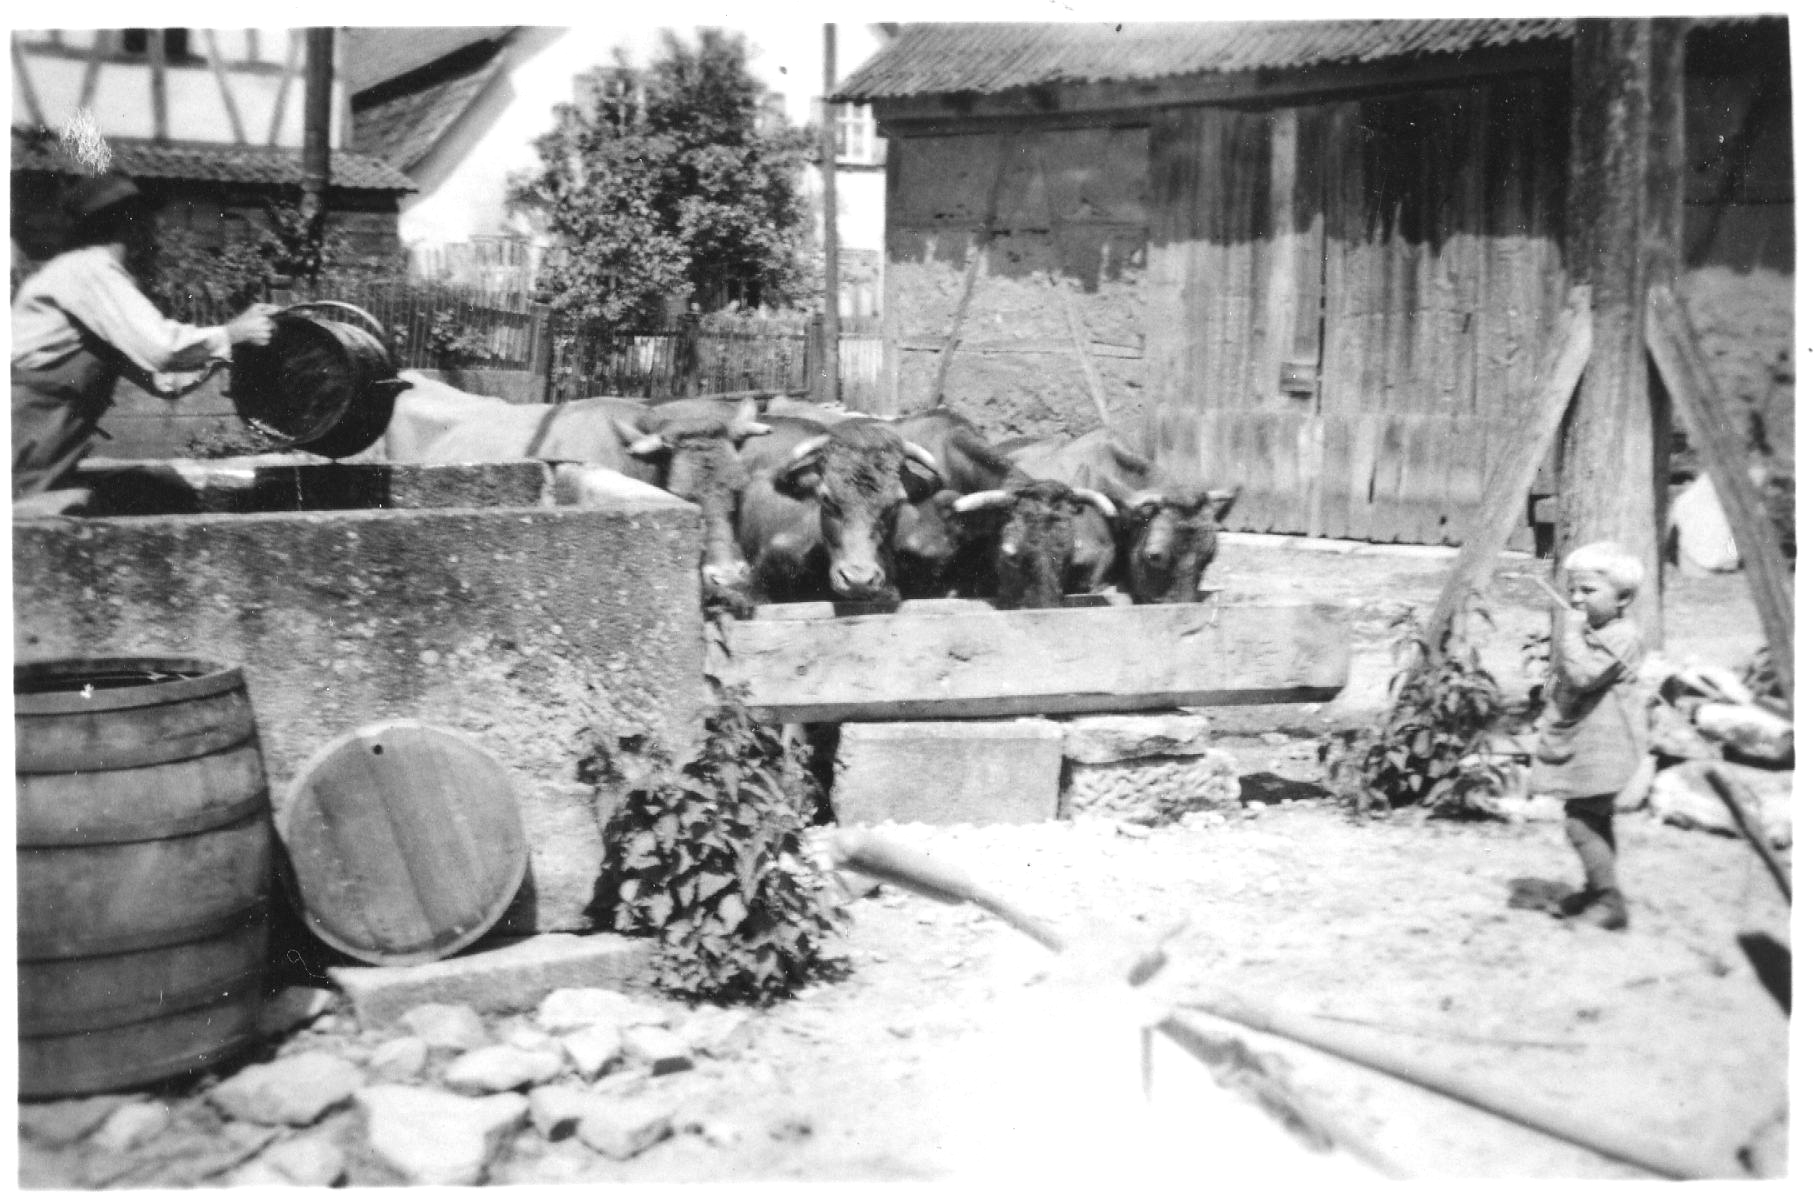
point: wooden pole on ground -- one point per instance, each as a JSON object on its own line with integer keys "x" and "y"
{"x": 1611, "y": 485}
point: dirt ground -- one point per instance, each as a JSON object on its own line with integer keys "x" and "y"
{"x": 1398, "y": 929}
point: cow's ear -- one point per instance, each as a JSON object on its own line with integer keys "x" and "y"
{"x": 1222, "y": 500}
{"x": 648, "y": 446}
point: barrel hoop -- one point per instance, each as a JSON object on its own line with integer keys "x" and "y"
{"x": 40, "y": 1026}
{"x": 208, "y": 820}
{"x": 46, "y": 753}
{"x": 32, "y": 1083}
{"x": 32, "y": 947}
{"x": 202, "y": 679}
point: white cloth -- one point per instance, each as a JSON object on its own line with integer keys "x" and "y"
{"x": 89, "y": 288}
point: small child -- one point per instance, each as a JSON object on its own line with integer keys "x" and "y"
{"x": 1591, "y": 736}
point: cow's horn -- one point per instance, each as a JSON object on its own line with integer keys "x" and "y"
{"x": 807, "y": 447}
{"x": 1104, "y": 505}
{"x": 748, "y": 429}
{"x": 923, "y": 455}
{"x": 636, "y": 440}
{"x": 648, "y": 445}
{"x": 989, "y": 498}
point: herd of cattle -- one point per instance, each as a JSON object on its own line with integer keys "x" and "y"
{"x": 811, "y": 503}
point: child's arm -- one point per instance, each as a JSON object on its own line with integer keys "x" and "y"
{"x": 1588, "y": 664}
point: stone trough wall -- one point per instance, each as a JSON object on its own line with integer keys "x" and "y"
{"x": 466, "y": 597}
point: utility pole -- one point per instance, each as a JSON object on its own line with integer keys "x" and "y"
{"x": 318, "y": 109}
{"x": 1624, "y": 231}
{"x": 829, "y": 187}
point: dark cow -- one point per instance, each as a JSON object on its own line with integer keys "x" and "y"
{"x": 1034, "y": 527}
{"x": 1168, "y": 531}
{"x": 821, "y": 506}
{"x": 687, "y": 447}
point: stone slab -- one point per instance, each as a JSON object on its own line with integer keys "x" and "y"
{"x": 513, "y": 976}
{"x": 948, "y": 772}
{"x": 1099, "y": 739}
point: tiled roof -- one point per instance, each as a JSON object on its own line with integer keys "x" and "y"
{"x": 253, "y": 164}
{"x": 375, "y": 55}
{"x": 984, "y": 58}
{"x": 402, "y": 129}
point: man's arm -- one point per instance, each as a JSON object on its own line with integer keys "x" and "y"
{"x": 105, "y": 300}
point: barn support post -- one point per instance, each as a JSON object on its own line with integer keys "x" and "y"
{"x": 828, "y": 382}
{"x": 1626, "y": 81}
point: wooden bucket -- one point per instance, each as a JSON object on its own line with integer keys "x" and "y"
{"x": 405, "y": 842}
{"x": 320, "y": 384}
{"x": 144, "y": 861}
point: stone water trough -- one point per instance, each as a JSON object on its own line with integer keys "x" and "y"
{"x": 510, "y": 602}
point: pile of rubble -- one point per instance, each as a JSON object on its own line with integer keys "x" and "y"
{"x": 440, "y": 1096}
{"x": 1709, "y": 726}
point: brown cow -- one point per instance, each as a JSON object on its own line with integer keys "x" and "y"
{"x": 1035, "y": 528}
{"x": 821, "y": 506}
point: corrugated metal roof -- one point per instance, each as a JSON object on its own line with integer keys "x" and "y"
{"x": 253, "y": 164}
{"x": 940, "y": 59}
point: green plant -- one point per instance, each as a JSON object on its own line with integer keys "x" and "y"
{"x": 451, "y": 342}
{"x": 710, "y": 860}
{"x": 1432, "y": 747}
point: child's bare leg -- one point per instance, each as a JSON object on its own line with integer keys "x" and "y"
{"x": 1589, "y": 826}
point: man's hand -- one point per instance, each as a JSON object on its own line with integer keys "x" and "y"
{"x": 253, "y": 326}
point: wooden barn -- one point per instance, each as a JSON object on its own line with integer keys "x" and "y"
{"x": 1319, "y": 259}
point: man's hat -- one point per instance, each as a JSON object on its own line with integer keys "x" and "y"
{"x": 90, "y": 196}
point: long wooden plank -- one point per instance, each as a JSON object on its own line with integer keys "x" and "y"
{"x": 1505, "y": 496}
{"x": 1672, "y": 344}
{"x": 957, "y": 665}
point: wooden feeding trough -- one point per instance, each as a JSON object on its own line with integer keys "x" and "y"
{"x": 952, "y": 659}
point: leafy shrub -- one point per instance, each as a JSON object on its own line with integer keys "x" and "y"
{"x": 709, "y": 860}
{"x": 1432, "y": 748}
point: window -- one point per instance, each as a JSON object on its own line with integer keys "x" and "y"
{"x": 856, "y": 134}
{"x": 136, "y": 43}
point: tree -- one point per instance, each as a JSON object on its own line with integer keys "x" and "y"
{"x": 671, "y": 181}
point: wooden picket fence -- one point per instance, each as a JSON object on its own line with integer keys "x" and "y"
{"x": 440, "y": 326}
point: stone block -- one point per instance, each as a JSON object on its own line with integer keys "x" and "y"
{"x": 1100, "y": 739}
{"x": 510, "y": 976}
{"x": 948, "y": 772}
{"x": 1153, "y": 789}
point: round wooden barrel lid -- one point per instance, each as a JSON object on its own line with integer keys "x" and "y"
{"x": 405, "y": 841}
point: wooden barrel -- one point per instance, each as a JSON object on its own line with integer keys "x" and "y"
{"x": 320, "y": 383}
{"x": 144, "y": 862}
{"x": 405, "y": 842}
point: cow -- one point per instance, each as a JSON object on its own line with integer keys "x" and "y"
{"x": 1167, "y": 532}
{"x": 821, "y": 507}
{"x": 688, "y": 447}
{"x": 1034, "y": 527}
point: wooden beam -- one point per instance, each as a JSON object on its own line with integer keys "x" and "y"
{"x": 33, "y": 111}
{"x": 1609, "y": 484}
{"x": 291, "y": 53}
{"x": 1504, "y": 498}
{"x": 91, "y": 73}
{"x": 1075, "y": 324}
{"x": 905, "y": 666}
{"x": 1686, "y": 373}
{"x": 984, "y": 232}
{"x": 220, "y": 79}
{"x": 160, "y": 105}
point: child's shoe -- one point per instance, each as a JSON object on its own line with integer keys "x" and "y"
{"x": 1608, "y": 911}
{"x": 1574, "y": 904}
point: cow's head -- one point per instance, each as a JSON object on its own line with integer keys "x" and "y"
{"x": 696, "y": 455}
{"x": 860, "y": 473}
{"x": 1036, "y": 528}
{"x": 1172, "y": 538}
